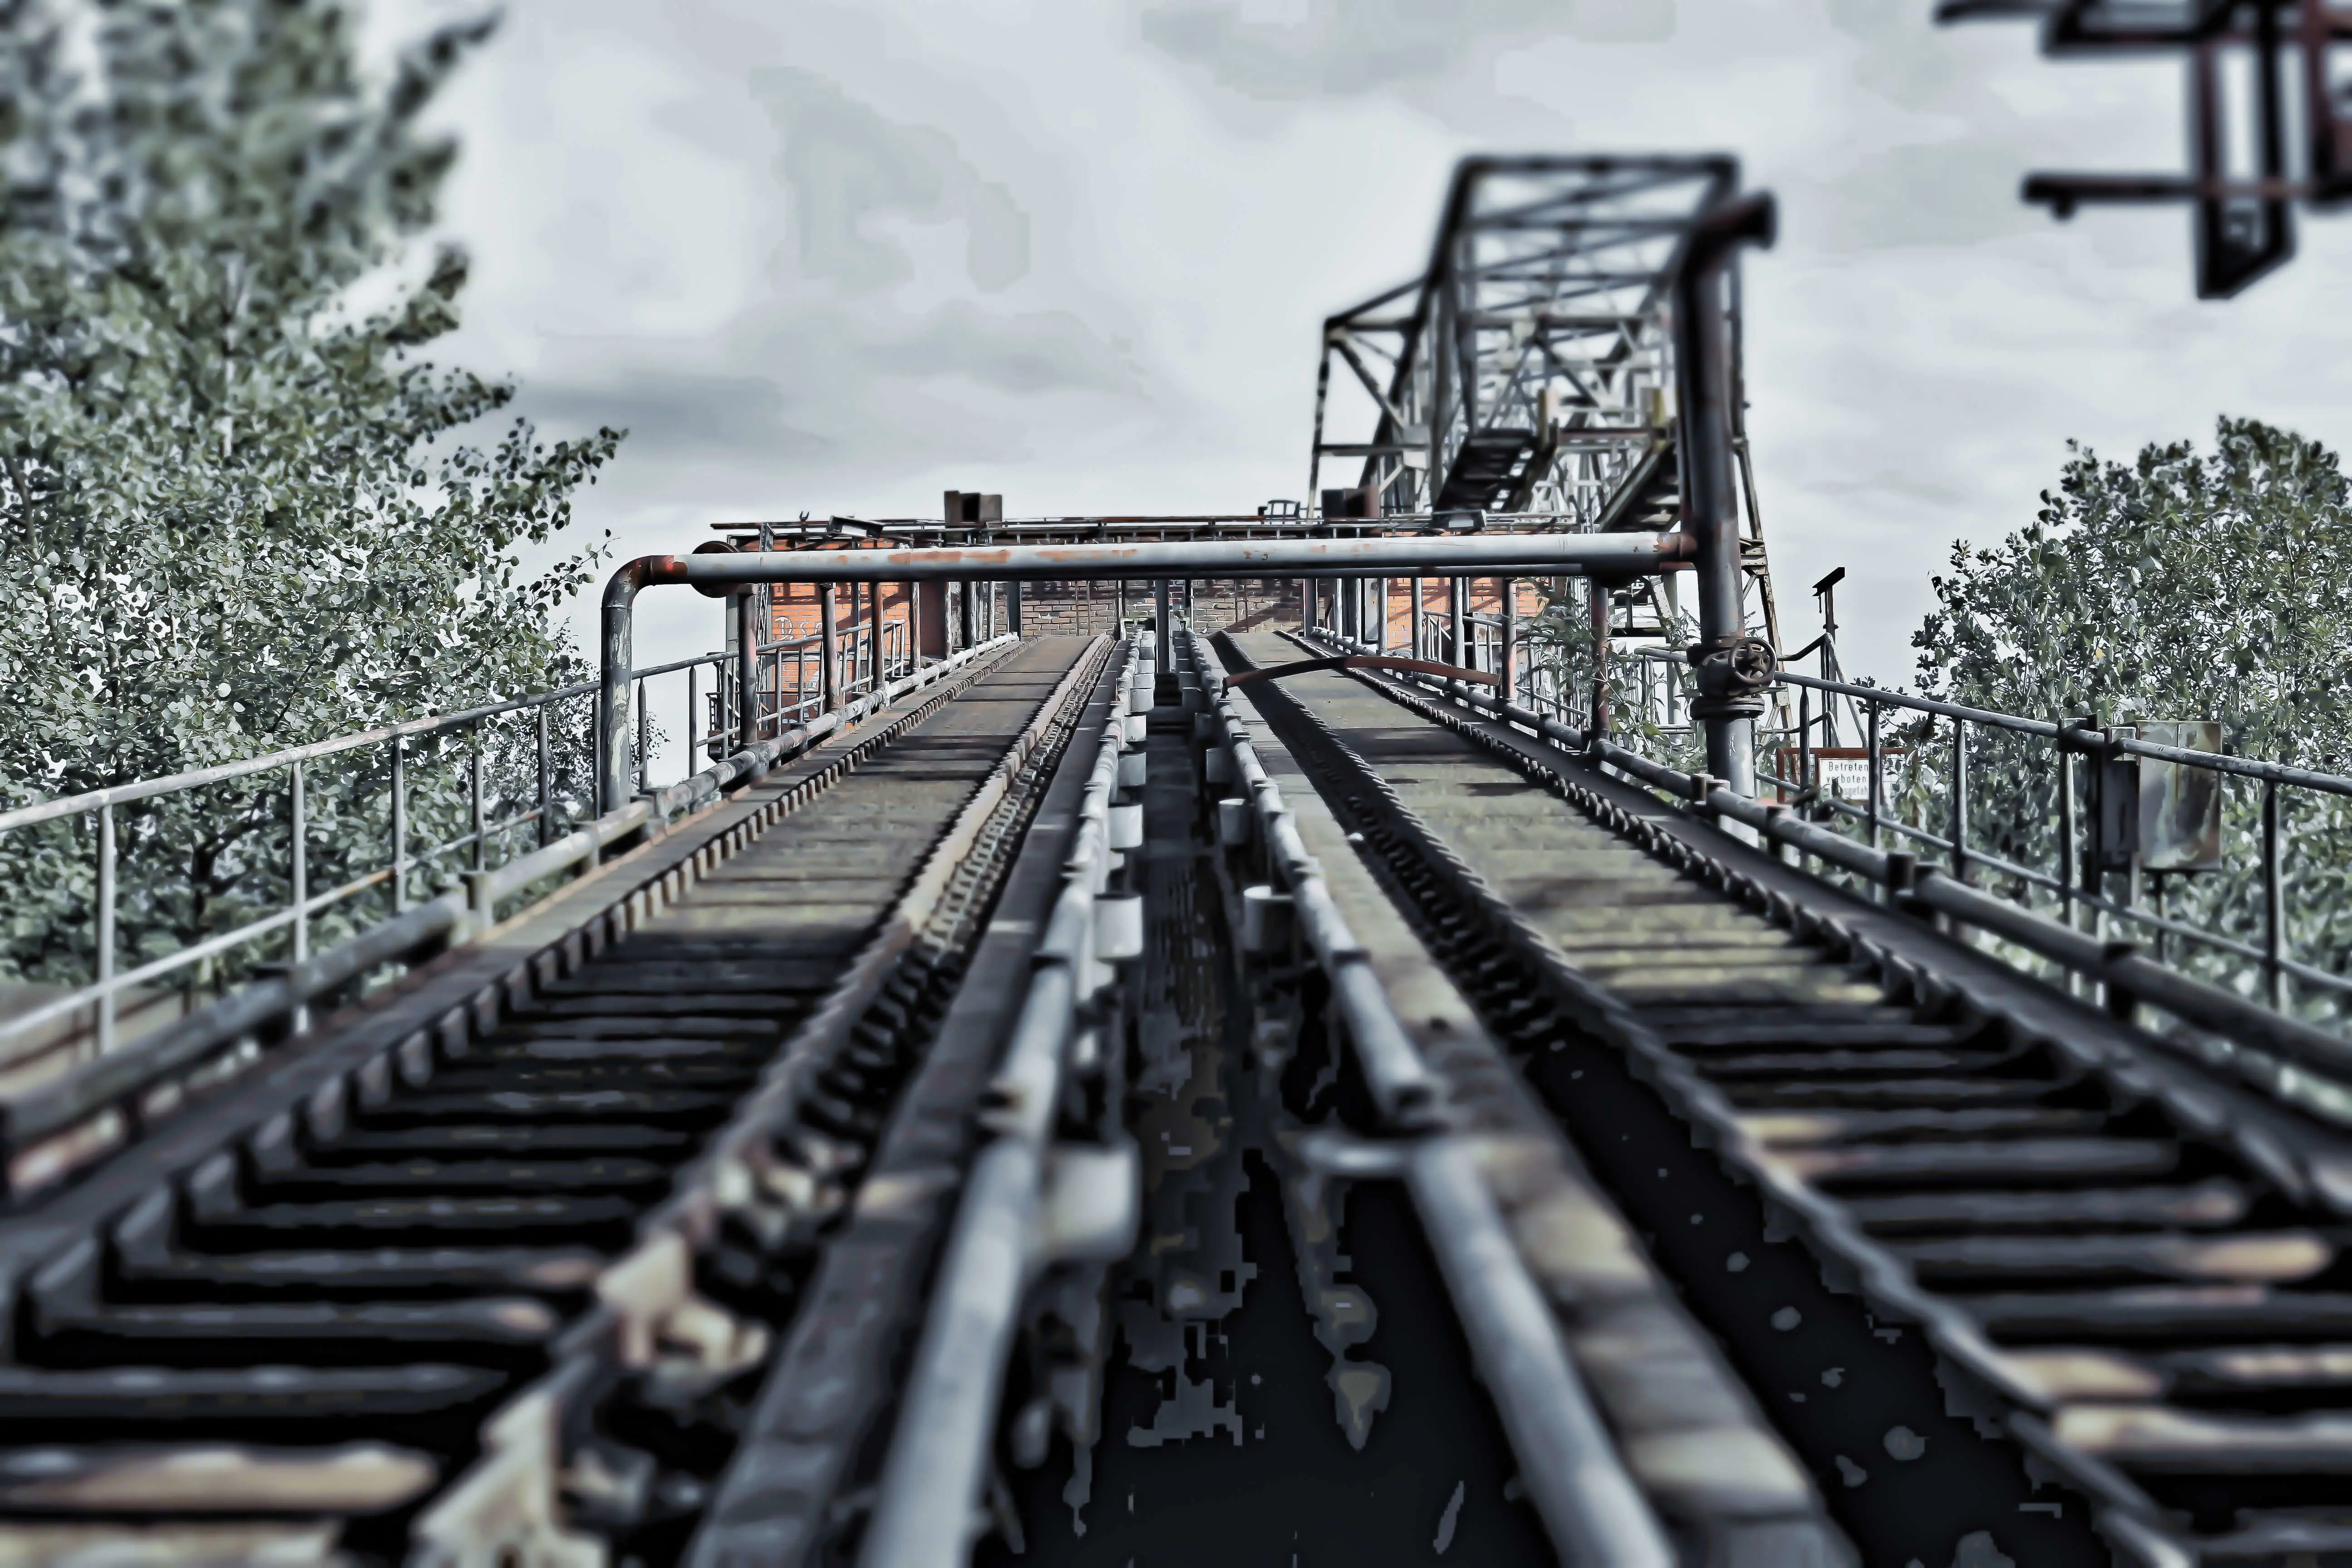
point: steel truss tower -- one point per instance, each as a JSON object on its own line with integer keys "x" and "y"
{"x": 1531, "y": 367}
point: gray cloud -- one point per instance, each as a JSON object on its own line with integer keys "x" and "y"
{"x": 1935, "y": 192}
{"x": 846, "y": 165}
{"x": 1033, "y": 352}
{"x": 676, "y": 413}
{"x": 1346, "y": 48}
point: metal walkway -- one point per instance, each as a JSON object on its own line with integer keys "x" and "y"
{"x": 1963, "y": 1234}
{"x": 302, "y": 1323}
{"x": 1085, "y": 1113}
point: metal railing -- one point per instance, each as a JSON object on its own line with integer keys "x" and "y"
{"x": 379, "y": 796}
{"x": 1942, "y": 776}
{"x": 48, "y": 1127}
{"x": 1927, "y": 764}
{"x": 2223, "y": 995}
{"x": 435, "y": 797}
{"x": 799, "y": 698}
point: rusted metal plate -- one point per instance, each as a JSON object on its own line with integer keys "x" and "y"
{"x": 2180, "y": 806}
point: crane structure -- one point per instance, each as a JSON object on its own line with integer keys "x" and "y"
{"x": 1534, "y": 368}
{"x": 2270, "y": 117}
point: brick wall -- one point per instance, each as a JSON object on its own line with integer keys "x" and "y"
{"x": 1055, "y": 608}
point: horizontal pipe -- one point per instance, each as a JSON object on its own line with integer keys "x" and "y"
{"x": 1533, "y": 554}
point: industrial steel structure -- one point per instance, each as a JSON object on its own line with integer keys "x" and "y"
{"x": 1238, "y": 1084}
{"x": 2269, "y": 117}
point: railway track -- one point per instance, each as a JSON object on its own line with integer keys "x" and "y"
{"x": 1085, "y": 1115}
{"x": 471, "y": 1275}
{"x": 2016, "y": 1281}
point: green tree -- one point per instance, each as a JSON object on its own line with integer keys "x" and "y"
{"x": 2184, "y": 585}
{"x": 238, "y": 510}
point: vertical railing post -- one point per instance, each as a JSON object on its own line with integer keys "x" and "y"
{"x": 1510, "y": 661}
{"x": 1160, "y": 635}
{"x": 1877, "y": 771}
{"x": 297, "y": 833}
{"x": 298, "y": 877}
{"x": 1961, "y": 799}
{"x": 2273, "y": 902}
{"x": 1597, "y": 602}
{"x": 828, "y": 628}
{"x": 481, "y": 832}
{"x": 1804, "y": 739}
{"x": 1456, "y": 620}
{"x": 2067, "y": 830}
{"x": 693, "y": 721}
{"x": 546, "y": 784}
{"x": 399, "y": 822}
{"x": 106, "y": 895}
{"x": 747, "y": 674}
{"x": 1416, "y": 633}
{"x": 645, "y": 758}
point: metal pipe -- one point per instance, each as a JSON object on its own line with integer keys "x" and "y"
{"x": 829, "y": 612}
{"x": 1510, "y": 659}
{"x": 1547, "y": 555}
{"x": 719, "y": 572}
{"x": 747, "y": 674}
{"x": 1729, "y": 700}
{"x": 1589, "y": 1504}
{"x": 1013, "y": 607}
{"x": 1159, "y": 622}
{"x": 1457, "y": 621}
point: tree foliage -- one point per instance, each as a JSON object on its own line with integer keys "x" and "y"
{"x": 2184, "y": 585}
{"x": 237, "y": 509}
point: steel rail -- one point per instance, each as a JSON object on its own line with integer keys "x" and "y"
{"x": 933, "y": 1477}
{"x": 1589, "y": 1505}
{"x": 1895, "y": 946}
{"x": 733, "y": 1175}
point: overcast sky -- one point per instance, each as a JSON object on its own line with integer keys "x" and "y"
{"x": 838, "y": 257}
